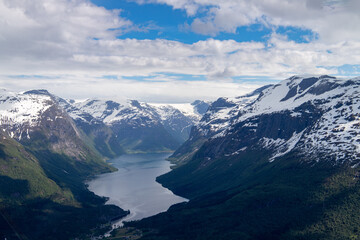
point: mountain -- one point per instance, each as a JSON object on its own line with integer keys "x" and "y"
{"x": 44, "y": 161}
{"x": 314, "y": 115}
{"x": 134, "y": 126}
{"x": 101, "y": 136}
{"x": 37, "y": 121}
{"x": 178, "y": 119}
{"x": 218, "y": 116}
{"x": 280, "y": 163}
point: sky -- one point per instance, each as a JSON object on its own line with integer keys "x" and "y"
{"x": 173, "y": 50}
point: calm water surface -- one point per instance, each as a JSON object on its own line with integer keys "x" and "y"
{"x": 133, "y": 186}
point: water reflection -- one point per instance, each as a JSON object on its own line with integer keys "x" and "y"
{"x": 134, "y": 188}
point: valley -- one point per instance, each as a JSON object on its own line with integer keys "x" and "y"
{"x": 280, "y": 162}
{"x": 179, "y": 120}
{"x": 50, "y": 147}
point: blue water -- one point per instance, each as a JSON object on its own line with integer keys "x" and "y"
{"x": 133, "y": 186}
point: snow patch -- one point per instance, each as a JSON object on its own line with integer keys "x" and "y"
{"x": 17, "y": 108}
{"x": 288, "y": 146}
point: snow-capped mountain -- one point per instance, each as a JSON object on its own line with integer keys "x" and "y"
{"x": 19, "y": 112}
{"x": 317, "y": 117}
{"x": 109, "y": 111}
{"x": 178, "y": 119}
{"x": 35, "y": 119}
{"x": 223, "y": 111}
{"x": 138, "y": 126}
{"x": 111, "y": 127}
{"x": 219, "y": 116}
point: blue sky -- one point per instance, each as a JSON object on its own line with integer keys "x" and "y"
{"x": 165, "y": 22}
{"x": 173, "y": 50}
{"x": 162, "y": 21}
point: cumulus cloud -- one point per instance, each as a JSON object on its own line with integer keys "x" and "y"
{"x": 74, "y": 40}
{"x": 53, "y": 28}
{"x": 332, "y": 20}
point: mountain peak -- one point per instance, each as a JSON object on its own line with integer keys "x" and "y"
{"x": 39, "y": 92}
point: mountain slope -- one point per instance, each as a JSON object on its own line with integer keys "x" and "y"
{"x": 101, "y": 136}
{"x": 18, "y": 165}
{"x": 319, "y": 123}
{"x": 281, "y": 166}
{"x": 44, "y": 162}
{"x": 219, "y": 116}
{"x": 51, "y": 146}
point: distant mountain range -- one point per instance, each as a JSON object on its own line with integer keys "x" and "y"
{"x": 136, "y": 127}
{"x": 279, "y": 163}
{"x": 113, "y": 128}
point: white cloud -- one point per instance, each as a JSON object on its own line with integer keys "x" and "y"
{"x": 75, "y": 40}
{"x": 162, "y": 90}
{"x": 332, "y": 20}
{"x": 44, "y": 29}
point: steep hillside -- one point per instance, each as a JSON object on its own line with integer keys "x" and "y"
{"x": 101, "y": 136}
{"x": 218, "y": 116}
{"x": 21, "y": 173}
{"x": 44, "y": 161}
{"x": 282, "y": 165}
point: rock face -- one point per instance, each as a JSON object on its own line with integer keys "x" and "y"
{"x": 35, "y": 119}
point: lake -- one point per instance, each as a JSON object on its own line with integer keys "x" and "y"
{"x": 133, "y": 187}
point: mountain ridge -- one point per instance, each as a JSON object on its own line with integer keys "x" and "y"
{"x": 138, "y": 126}
{"x": 331, "y": 103}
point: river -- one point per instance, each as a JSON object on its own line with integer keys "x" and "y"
{"x": 133, "y": 186}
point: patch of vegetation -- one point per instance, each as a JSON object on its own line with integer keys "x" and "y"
{"x": 126, "y": 233}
